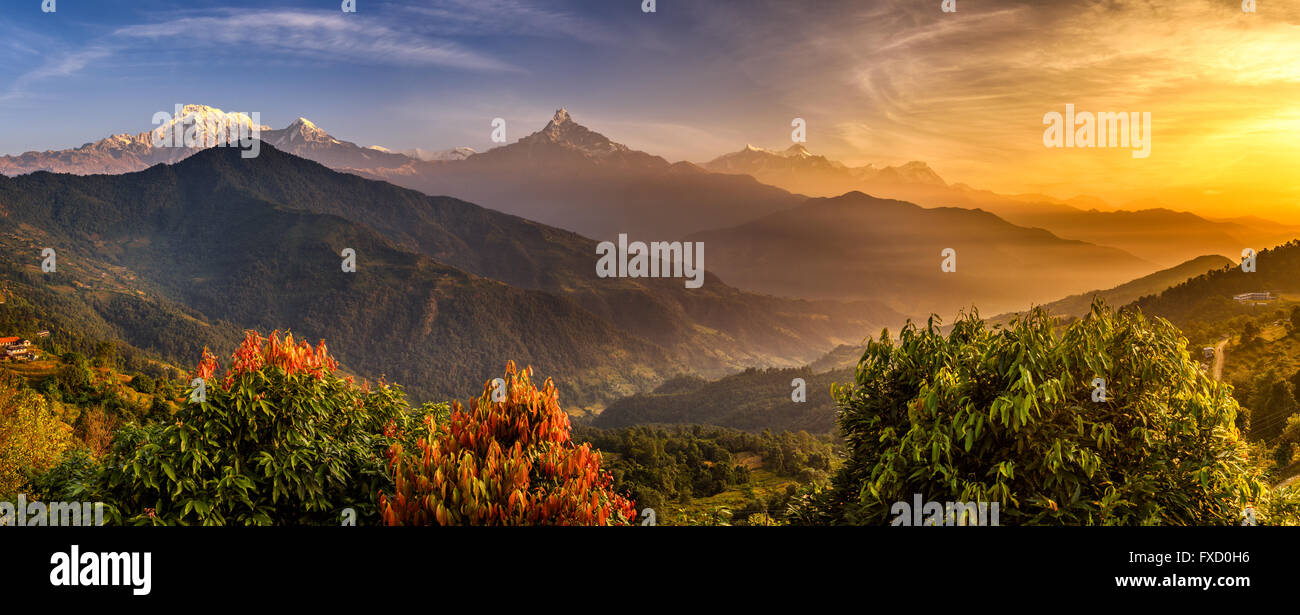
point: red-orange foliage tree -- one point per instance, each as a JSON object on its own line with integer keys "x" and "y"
{"x": 507, "y": 462}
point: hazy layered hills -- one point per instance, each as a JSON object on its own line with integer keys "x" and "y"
{"x": 856, "y": 246}
{"x": 1161, "y": 235}
{"x": 236, "y": 258}
{"x": 1128, "y": 292}
{"x": 798, "y": 170}
{"x": 1151, "y": 231}
{"x": 255, "y": 242}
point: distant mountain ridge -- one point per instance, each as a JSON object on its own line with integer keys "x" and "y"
{"x": 1149, "y": 230}
{"x": 798, "y": 170}
{"x": 856, "y": 246}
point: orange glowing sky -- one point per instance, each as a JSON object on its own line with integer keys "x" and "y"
{"x": 966, "y": 92}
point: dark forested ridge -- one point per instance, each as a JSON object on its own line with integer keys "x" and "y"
{"x": 1210, "y": 296}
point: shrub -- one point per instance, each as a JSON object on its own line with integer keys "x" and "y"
{"x": 508, "y": 462}
{"x": 1008, "y": 416}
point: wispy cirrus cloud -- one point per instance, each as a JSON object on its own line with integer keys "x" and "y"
{"x": 383, "y": 38}
{"x": 61, "y": 65}
{"x": 321, "y": 35}
{"x": 480, "y": 17}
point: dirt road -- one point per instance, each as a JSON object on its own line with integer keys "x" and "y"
{"x": 1218, "y": 358}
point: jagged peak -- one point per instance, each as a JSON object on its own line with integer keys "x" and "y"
{"x": 205, "y": 112}
{"x": 563, "y": 130}
{"x": 797, "y": 150}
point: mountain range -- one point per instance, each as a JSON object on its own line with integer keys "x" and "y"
{"x": 759, "y": 237}
{"x": 564, "y": 175}
{"x": 571, "y": 177}
{"x": 445, "y": 290}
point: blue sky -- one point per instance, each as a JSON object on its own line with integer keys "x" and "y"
{"x": 878, "y": 81}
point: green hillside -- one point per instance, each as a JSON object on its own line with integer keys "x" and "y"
{"x": 752, "y": 400}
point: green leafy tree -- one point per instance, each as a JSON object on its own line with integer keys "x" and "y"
{"x": 1013, "y": 416}
{"x": 280, "y": 440}
{"x": 1249, "y": 333}
{"x": 142, "y": 383}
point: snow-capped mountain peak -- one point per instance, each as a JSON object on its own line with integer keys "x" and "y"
{"x": 205, "y": 123}
{"x": 302, "y": 130}
{"x": 565, "y": 132}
